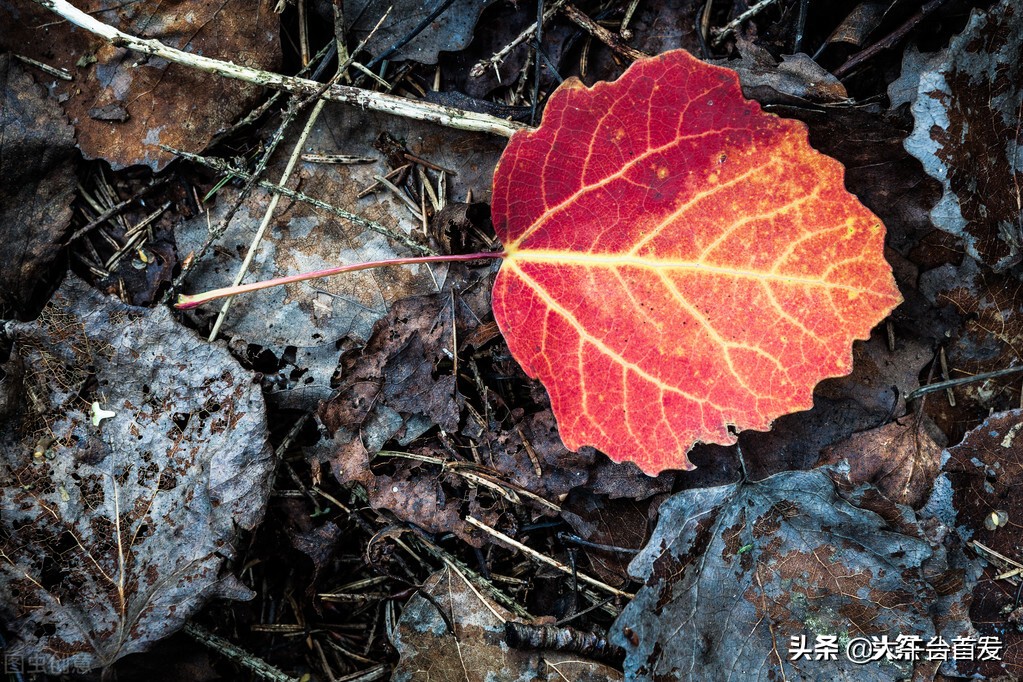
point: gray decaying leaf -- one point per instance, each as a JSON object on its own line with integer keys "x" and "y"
{"x": 733, "y": 572}
{"x": 451, "y": 30}
{"x": 37, "y": 155}
{"x": 796, "y": 80}
{"x": 984, "y": 479}
{"x": 138, "y": 454}
{"x": 476, "y": 651}
{"x": 968, "y": 105}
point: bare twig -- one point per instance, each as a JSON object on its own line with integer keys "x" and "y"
{"x": 623, "y": 28}
{"x": 543, "y": 558}
{"x": 354, "y": 218}
{"x": 398, "y": 106}
{"x": 942, "y": 385}
{"x": 267, "y": 216}
{"x": 108, "y": 213}
{"x": 225, "y": 648}
{"x": 889, "y": 41}
{"x": 486, "y": 585}
{"x": 52, "y": 70}
{"x": 342, "y": 159}
{"x": 495, "y": 61}
{"x": 735, "y": 23}
{"x": 612, "y": 40}
{"x": 411, "y": 205}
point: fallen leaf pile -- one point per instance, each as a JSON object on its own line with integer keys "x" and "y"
{"x": 683, "y": 426}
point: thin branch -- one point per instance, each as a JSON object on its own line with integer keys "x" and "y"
{"x": 735, "y": 23}
{"x": 495, "y": 61}
{"x": 255, "y": 665}
{"x": 375, "y": 101}
{"x": 961, "y": 381}
{"x": 354, "y": 218}
{"x": 543, "y": 558}
{"x": 267, "y": 216}
{"x": 612, "y": 40}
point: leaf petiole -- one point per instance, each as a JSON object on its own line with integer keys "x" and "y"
{"x": 187, "y": 302}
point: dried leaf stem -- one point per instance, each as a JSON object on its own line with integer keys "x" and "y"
{"x": 292, "y": 162}
{"x": 375, "y": 101}
{"x": 187, "y": 302}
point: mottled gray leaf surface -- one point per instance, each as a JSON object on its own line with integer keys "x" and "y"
{"x": 968, "y": 108}
{"x": 37, "y": 183}
{"x": 451, "y": 30}
{"x": 138, "y": 452}
{"x": 732, "y": 573}
{"x": 985, "y": 483}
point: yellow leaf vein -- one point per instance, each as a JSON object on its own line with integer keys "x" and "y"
{"x": 597, "y": 343}
{"x": 599, "y": 260}
{"x": 586, "y": 189}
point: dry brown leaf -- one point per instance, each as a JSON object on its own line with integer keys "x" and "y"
{"x": 123, "y": 104}
{"x": 900, "y": 459}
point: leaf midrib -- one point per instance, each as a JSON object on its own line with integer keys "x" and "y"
{"x": 603, "y": 260}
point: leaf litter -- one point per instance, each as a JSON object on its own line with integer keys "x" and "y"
{"x": 498, "y": 411}
{"x": 123, "y": 106}
{"x": 304, "y": 326}
{"x": 450, "y": 631}
{"x": 985, "y": 471}
{"x": 789, "y": 556}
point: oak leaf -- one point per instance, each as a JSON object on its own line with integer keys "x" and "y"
{"x": 678, "y": 264}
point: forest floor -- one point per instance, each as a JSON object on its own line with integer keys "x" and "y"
{"x": 353, "y": 478}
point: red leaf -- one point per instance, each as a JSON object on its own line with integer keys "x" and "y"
{"x": 679, "y": 263}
